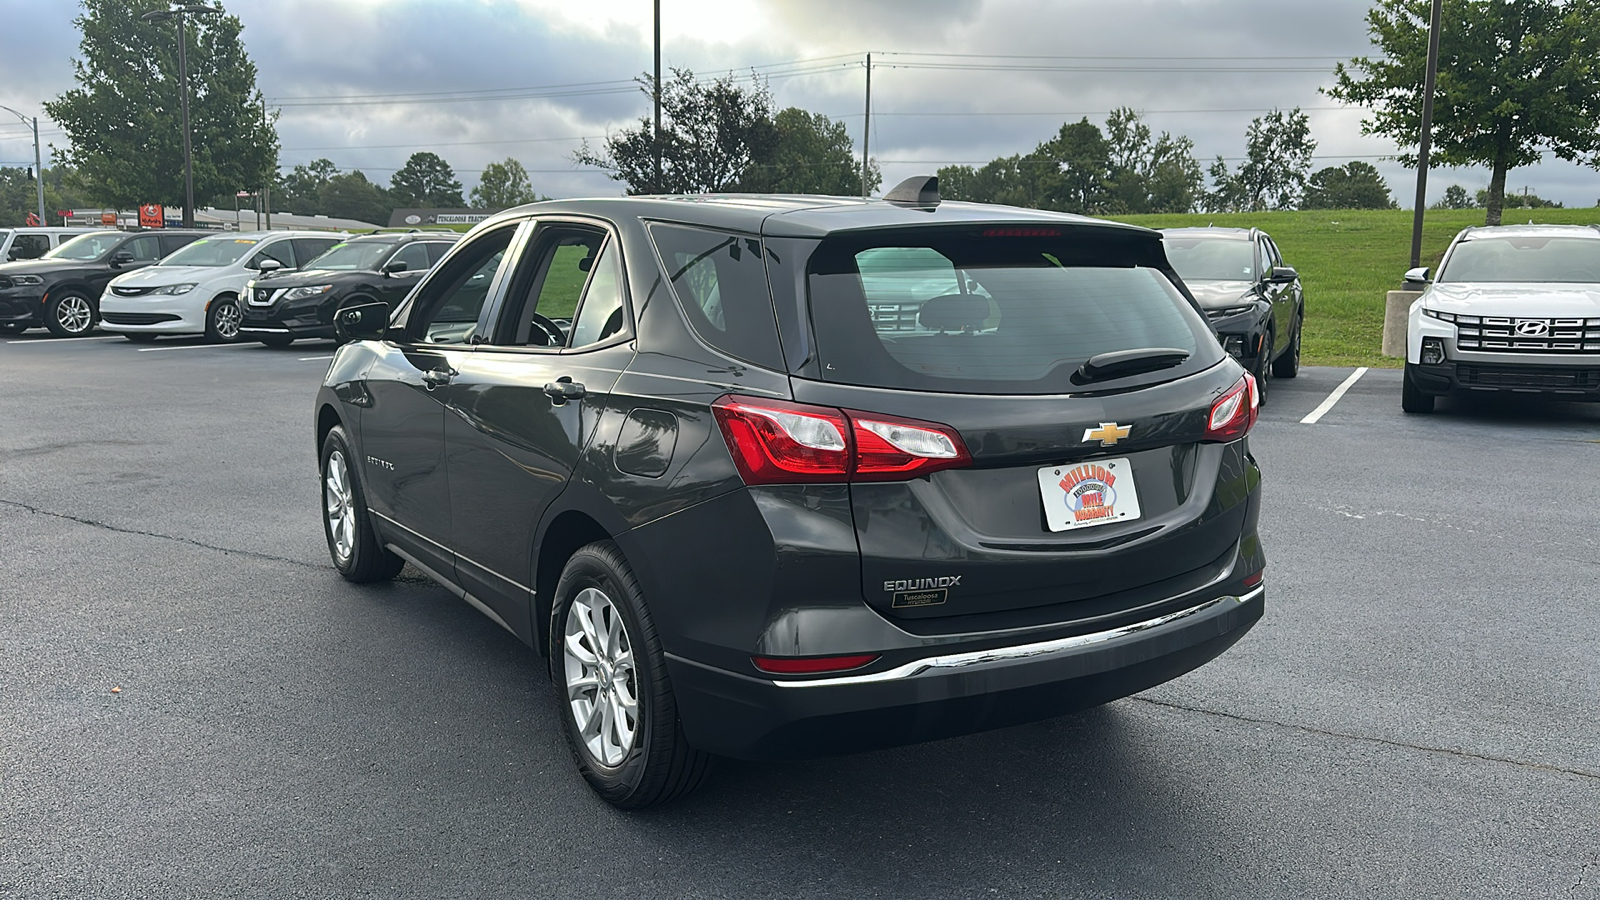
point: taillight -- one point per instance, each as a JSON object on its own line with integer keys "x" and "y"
{"x": 778, "y": 442}
{"x": 1234, "y": 412}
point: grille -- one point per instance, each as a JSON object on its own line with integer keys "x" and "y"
{"x": 1542, "y": 377}
{"x": 261, "y": 297}
{"x": 1499, "y": 334}
{"x": 121, "y": 291}
{"x": 127, "y": 318}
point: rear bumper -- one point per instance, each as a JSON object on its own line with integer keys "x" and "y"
{"x": 1559, "y": 382}
{"x": 942, "y": 695}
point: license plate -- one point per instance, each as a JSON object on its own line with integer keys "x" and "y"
{"x": 1083, "y": 495}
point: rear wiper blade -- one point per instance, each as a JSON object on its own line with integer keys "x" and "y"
{"x": 1121, "y": 363}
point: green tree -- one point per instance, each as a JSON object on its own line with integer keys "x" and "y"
{"x": 1516, "y": 79}
{"x": 426, "y": 181}
{"x": 1455, "y": 197}
{"x": 1079, "y": 181}
{"x": 1277, "y": 165}
{"x": 812, "y": 155}
{"x": 352, "y": 196}
{"x": 713, "y": 136}
{"x": 300, "y": 190}
{"x": 1524, "y": 200}
{"x": 1149, "y": 173}
{"x": 123, "y": 118}
{"x": 1356, "y": 185}
{"x": 503, "y": 185}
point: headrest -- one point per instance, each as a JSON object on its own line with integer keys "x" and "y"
{"x": 586, "y": 264}
{"x": 954, "y": 312}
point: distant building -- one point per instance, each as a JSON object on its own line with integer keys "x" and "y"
{"x": 414, "y": 218}
{"x": 218, "y": 220}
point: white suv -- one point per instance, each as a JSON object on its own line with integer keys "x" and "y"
{"x": 34, "y": 241}
{"x": 196, "y": 290}
{"x": 1515, "y": 308}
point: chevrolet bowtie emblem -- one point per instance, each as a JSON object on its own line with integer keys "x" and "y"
{"x": 1107, "y": 434}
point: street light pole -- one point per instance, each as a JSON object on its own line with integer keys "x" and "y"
{"x": 38, "y": 167}
{"x": 1429, "y": 79}
{"x": 183, "y": 89}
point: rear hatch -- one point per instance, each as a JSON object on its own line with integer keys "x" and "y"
{"x": 1091, "y": 489}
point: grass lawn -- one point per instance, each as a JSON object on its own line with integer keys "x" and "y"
{"x": 1349, "y": 258}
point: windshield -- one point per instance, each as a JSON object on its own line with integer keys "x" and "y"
{"x": 353, "y": 255}
{"x": 1211, "y": 259}
{"x": 211, "y": 252}
{"x": 981, "y": 314}
{"x": 1523, "y": 259}
{"x": 86, "y": 246}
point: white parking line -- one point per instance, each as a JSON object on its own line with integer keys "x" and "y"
{"x": 194, "y": 347}
{"x": 107, "y": 337}
{"x": 1322, "y": 408}
{"x": 310, "y": 358}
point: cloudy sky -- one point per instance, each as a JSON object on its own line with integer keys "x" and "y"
{"x": 366, "y": 83}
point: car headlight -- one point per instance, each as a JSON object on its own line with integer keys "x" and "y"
{"x": 175, "y": 289}
{"x": 1224, "y": 312}
{"x": 28, "y": 280}
{"x": 300, "y": 293}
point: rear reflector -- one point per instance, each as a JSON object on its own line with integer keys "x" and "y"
{"x": 1234, "y": 412}
{"x": 779, "y": 442}
{"x": 811, "y": 665}
{"x": 1254, "y": 578}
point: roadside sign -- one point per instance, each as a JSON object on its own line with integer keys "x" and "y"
{"x": 151, "y": 215}
{"x": 64, "y": 213}
{"x": 109, "y": 218}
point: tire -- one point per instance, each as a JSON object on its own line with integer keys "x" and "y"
{"x": 140, "y": 337}
{"x": 1412, "y": 398}
{"x": 1288, "y": 365}
{"x": 345, "y": 521}
{"x": 13, "y": 327}
{"x": 1263, "y": 367}
{"x": 599, "y": 601}
{"x": 70, "y": 314}
{"x": 276, "y": 340}
{"x": 223, "y": 318}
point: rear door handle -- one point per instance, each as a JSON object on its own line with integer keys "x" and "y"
{"x": 435, "y": 377}
{"x": 563, "y": 389}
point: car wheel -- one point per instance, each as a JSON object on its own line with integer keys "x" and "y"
{"x": 1263, "y": 367}
{"x": 345, "y": 521}
{"x": 1288, "y": 365}
{"x": 277, "y": 340}
{"x": 611, "y": 676}
{"x": 139, "y": 337}
{"x": 69, "y": 314}
{"x": 1412, "y": 398}
{"x": 223, "y": 318}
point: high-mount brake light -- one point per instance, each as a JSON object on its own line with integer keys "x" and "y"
{"x": 812, "y": 665}
{"x": 1235, "y": 412}
{"x": 1015, "y": 231}
{"x": 779, "y": 442}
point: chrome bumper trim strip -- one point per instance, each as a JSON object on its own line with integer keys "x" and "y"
{"x": 1019, "y": 651}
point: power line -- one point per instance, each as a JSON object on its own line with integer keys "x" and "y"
{"x": 1142, "y": 57}
{"x": 1136, "y": 70}
{"x": 425, "y": 145}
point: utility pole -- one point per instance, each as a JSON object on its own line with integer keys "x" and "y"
{"x": 657, "y": 141}
{"x": 1426, "y": 135}
{"x": 866, "y": 131}
{"x": 38, "y": 166}
{"x": 272, "y": 173}
{"x": 183, "y": 88}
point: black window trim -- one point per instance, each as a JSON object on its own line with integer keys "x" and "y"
{"x": 402, "y": 312}
{"x": 536, "y": 229}
{"x": 677, "y": 301}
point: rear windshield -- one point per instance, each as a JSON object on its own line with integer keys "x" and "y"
{"x": 1212, "y": 259}
{"x": 1566, "y": 260}
{"x": 973, "y": 312}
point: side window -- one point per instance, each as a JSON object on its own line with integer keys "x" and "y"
{"x": 279, "y": 251}
{"x": 548, "y": 286}
{"x": 415, "y": 256}
{"x": 601, "y": 315}
{"x": 172, "y": 242}
{"x": 721, "y": 284}
{"x": 1277, "y": 258}
{"x": 447, "y": 308}
{"x": 144, "y": 249}
{"x": 28, "y": 246}
{"x": 436, "y": 251}
{"x": 307, "y": 249}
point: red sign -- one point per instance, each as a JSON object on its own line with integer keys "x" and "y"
{"x": 64, "y": 213}
{"x": 108, "y": 218}
{"x": 152, "y": 215}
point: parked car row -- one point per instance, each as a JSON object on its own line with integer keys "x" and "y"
{"x": 271, "y": 286}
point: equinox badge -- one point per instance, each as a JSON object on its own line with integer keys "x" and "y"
{"x": 1107, "y": 434}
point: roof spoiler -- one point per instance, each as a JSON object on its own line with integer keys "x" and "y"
{"x": 918, "y": 191}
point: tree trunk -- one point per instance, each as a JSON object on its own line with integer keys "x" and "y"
{"x": 1497, "y": 192}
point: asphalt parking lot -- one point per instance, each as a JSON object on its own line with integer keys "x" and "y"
{"x": 193, "y": 703}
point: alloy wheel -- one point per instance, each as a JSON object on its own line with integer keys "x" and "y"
{"x": 602, "y": 685}
{"x": 226, "y": 320}
{"x": 74, "y": 313}
{"x": 337, "y": 500}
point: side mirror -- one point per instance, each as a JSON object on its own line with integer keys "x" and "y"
{"x": 1419, "y": 275}
{"x": 394, "y": 267}
{"x": 122, "y": 257}
{"x": 1283, "y": 274}
{"x": 366, "y": 322}
{"x": 268, "y": 266}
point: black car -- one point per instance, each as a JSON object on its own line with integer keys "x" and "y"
{"x": 1254, "y": 301}
{"x": 804, "y": 475}
{"x": 61, "y": 290}
{"x": 372, "y": 268}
